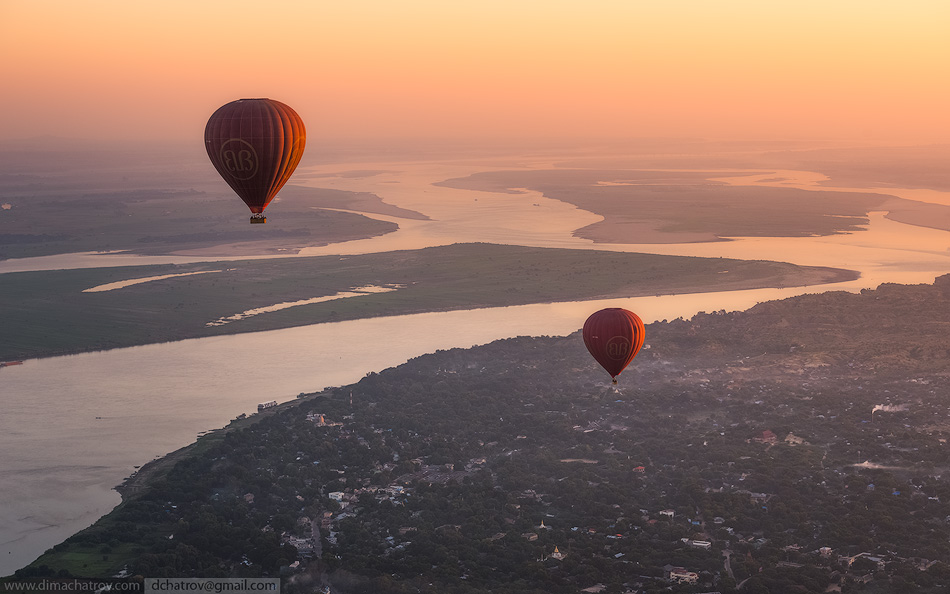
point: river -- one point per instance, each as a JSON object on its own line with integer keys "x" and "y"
{"x": 73, "y": 427}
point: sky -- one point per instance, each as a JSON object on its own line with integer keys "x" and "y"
{"x": 867, "y": 70}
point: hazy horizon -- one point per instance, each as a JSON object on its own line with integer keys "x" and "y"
{"x": 849, "y": 71}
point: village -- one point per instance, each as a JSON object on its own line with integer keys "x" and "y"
{"x": 735, "y": 457}
{"x": 714, "y": 541}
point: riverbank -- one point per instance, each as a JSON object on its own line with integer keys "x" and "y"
{"x": 256, "y": 295}
{"x": 84, "y": 561}
{"x": 664, "y": 206}
{"x": 137, "y": 483}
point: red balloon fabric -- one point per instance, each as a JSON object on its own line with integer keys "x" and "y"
{"x": 614, "y": 337}
{"x": 255, "y": 144}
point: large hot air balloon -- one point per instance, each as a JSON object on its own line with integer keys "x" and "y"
{"x": 613, "y": 336}
{"x": 255, "y": 144}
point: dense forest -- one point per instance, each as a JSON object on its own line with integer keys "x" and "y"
{"x": 789, "y": 448}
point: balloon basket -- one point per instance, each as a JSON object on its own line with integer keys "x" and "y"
{"x": 258, "y": 220}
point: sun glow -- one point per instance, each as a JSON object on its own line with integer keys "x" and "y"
{"x": 422, "y": 68}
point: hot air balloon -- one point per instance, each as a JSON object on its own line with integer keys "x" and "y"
{"x": 255, "y": 144}
{"x": 613, "y": 336}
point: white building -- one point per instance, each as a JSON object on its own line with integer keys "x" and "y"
{"x": 678, "y": 575}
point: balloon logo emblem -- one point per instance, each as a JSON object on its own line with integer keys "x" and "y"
{"x": 618, "y": 348}
{"x": 239, "y": 158}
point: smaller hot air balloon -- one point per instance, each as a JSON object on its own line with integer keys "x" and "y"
{"x": 255, "y": 144}
{"x": 614, "y": 337}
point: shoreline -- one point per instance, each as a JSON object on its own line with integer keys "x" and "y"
{"x": 140, "y": 479}
{"x": 761, "y": 274}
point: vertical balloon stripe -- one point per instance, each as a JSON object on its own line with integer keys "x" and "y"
{"x": 275, "y": 132}
{"x": 268, "y": 142}
{"x": 293, "y": 128}
{"x": 285, "y": 146}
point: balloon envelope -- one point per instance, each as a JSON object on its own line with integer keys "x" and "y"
{"x": 613, "y": 336}
{"x": 255, "y": 144}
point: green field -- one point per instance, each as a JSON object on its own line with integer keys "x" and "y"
{"x": 47, "y": 313}
{"x": 90, "y": 559}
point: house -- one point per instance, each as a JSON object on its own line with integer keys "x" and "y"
{"x": 679, "y": 575}
{"x": 668, "y": 513}
{"x": 794, "y": 440}
{"x": 684, "y": 577}
{"x": 766, "y": 437}
{"x": 303, "y": 545}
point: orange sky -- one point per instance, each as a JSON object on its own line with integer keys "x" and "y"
{"x": 376, "y": 69}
